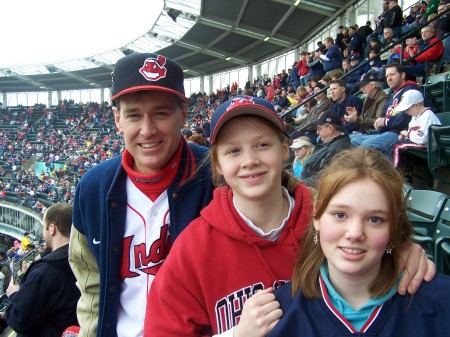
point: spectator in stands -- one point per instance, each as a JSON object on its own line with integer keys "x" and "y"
{"x": 315, "y": 65}
{"x": 374, "y": 63}
{"x": 431, "y": 50}
{"x": 339, "y": 38}
{"x": 333, "y": 140}
{"x": 159, "y": 176}
{"x": 356, "y": 44}
{"x": 343, "y": 99}
{"x": 380, "y": 21}
{"x": 270, "y": 91}
{"x": 356, "y": 71}
{"x": 302, "y": 67}
{"x": 26, "y": 243}
{"x": 416, "y": 137}
{"x": 333, "y": 57}
{"x": 5, "y": 269}
{"x": 373, "y": 105}
{"x": 294, "y": 79}
{"x": 187, "y": 133}
{"x": 302, "y": 148}
{"x": 365, "y": 31}
{"x": 389, "y": 41}
{"x": 442, "y": 28}
{"x": 394, "y": 18}
{"x": 392, "y": 122}
{"x": 305, "y": 121}
{"x": 412, "y": 20}
{"x": 45, "y": 302}
{"x": 431, "y": 8}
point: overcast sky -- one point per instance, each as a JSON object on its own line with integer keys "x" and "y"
{"x": 45, "y": 31}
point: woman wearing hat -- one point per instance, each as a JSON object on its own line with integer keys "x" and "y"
{"x": 302, "y": 147}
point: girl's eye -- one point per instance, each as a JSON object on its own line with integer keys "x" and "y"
{"x": 339, "y": 215}
{"x": 375, "y": 219}
{"x": 232, "y": 151}
{"x": 263, "y": 145}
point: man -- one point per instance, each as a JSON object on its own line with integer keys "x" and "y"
{"x": 45, "y": 303}
{"x": 394, "y": 18}
{"x": 429, "y": 53}
{"x": 391, "y": 123}
{"x": 380, "y": 21}
{"x": 356, "y": 45}
{"x": 373, "y": 104}
{"x": 305, "y": 123}
{"x": 339, "y": 38}
{"x": 333, "y": 140}
{"x": 5, "y": 270}
{"x": 443, "y": 27}
{"x": 129, "y": 210}
{"x": 342, "y": 99}
{"x": 389, "y": 40}
{"x": 332, "y": 58}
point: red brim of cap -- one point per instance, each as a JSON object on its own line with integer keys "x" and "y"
{"x": 150, "y": 88}
{"x": 243, "y": 110}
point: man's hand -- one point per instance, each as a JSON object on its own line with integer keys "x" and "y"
{"x": 260, "y": 314}
{"x": 416, "y": 268}
{"x": 379, "y": 123}
{"x": 12, "y": 288}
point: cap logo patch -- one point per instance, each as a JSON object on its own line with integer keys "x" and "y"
{"x": 244, "y": 100}
{"x": 154, "y": 68}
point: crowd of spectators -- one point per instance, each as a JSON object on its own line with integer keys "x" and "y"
{"x": 72, "y": 138}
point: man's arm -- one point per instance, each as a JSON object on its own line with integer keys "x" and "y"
{"x": 26, "y": 309}
{"x": 85, "y": 269}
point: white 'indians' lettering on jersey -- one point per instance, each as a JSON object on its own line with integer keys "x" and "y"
{"x": 146, "y": 244}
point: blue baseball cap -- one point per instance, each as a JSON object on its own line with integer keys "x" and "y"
{"x": 243, "y": 105}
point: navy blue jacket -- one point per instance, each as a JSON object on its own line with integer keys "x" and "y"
{"x": 46, "y": 302}
{"x": 100, "y": 208}
{"x": 422, "y": 315}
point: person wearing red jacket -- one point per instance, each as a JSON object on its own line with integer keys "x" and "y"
{"x": 302, "y": 67}
{"x": 221, "y": 272}
{"x": 432, "y": 50}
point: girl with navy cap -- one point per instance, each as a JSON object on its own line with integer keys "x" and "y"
{"x": 221, "y": 272}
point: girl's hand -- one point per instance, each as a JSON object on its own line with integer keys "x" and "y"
{"x": 260, "y": 314}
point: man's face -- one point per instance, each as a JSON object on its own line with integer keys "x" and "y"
{"x": 337, "y": 92}
{"x": 150, "y": 122}
{"x": 426, "y": 33}
{"x": 441, "y": 9}
{"x": 385, "y": 6}
{"x": 394, "y": 78}
{"x": 351, "y": 31}
{"x": 321, "y": 95}
{"x": 387, "y": 33}
{"x": 368, "y": 89}
{"x": 324, "y": 131}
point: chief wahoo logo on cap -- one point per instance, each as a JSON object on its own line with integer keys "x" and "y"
{"x": 154, "y": 68}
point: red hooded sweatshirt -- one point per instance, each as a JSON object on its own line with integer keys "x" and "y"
{"x": 216, "y": 264}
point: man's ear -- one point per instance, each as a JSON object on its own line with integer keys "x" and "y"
{"x": 117, "y": 119}
{"x": 52, "y": 229}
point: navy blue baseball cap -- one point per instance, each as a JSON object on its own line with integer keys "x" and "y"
{"x": 243, "y": 105}
{"x": 147, "y": 71}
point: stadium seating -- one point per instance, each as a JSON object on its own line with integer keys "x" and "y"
{"x": 441, "y": 230}
{"x": 423, "y": 210}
